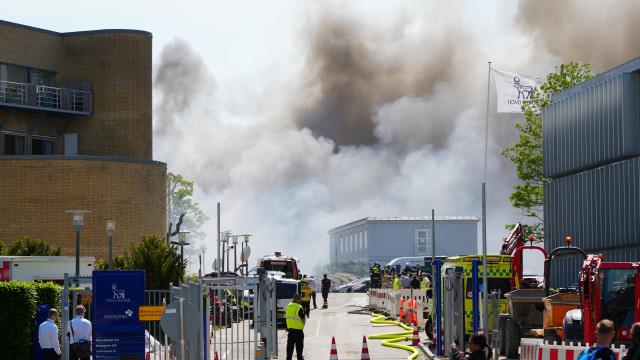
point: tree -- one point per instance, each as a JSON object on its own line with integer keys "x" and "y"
{"x": 160, "y": 261}
{"x": 24, "y": 246}
{"x": 527, "y": 153}
{"x": 179, "y": 201}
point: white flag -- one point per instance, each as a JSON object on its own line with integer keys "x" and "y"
{"x": 512, "y": 89}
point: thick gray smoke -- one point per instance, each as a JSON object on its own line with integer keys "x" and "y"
{"x": 386, "y": 117}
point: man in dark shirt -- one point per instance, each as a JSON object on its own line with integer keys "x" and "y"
{"x": 415, "y": 283}
{"x": 326, "y": 286}
{"x": 604, "y": 335}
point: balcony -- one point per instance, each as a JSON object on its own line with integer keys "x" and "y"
{"x": 70, "y": 99}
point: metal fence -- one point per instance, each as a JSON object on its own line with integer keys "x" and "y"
{"x": 45, "y": 96}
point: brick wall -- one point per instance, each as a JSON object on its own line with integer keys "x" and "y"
{"x": 36, "y": 192}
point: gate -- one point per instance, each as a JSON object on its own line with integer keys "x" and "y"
{"x": 70, "y": 298}
{"x": 242, "y": 318}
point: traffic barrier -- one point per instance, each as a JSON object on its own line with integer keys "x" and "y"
{"x": 535, "y": 349}
{"x": 365, "y": 349}
{"x": 416, "y": 336}
{"x": 334, "y": 352}
{"x": 215, "y": 356}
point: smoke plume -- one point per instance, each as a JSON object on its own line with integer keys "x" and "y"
{"x": 385, "y": 117}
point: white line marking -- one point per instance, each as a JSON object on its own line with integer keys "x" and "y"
{"x": 317, "y": 329}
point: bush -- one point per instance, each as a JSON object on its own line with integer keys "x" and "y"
{"x": 18, "y": 302}
{"x": 17, "y": 308}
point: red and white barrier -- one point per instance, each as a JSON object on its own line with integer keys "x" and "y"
{"x": 535, "y": 349}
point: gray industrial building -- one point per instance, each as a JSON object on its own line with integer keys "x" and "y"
{"x": 384, "y": 239}
{"x": 591, "y": 151}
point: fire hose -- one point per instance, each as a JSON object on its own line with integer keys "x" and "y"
{"x": 391, "y": 338}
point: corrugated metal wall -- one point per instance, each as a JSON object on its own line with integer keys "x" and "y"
{"x": 598, "y": 208}
{"x": 564, "y": 270}
{"x": 594, "y": 125}
{"x": 389, "y": 239}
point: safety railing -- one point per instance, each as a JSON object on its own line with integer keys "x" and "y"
{"x": 45, "y": 97}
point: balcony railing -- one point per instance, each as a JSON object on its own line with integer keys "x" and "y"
{"x": 46, "y": 97}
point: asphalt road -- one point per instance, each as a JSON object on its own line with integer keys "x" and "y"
{"x": 347, "y": 328}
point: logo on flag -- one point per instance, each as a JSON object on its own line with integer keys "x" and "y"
{"x": 512, "y": 89}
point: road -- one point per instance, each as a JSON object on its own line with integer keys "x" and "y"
{"x": 342, "y": 321}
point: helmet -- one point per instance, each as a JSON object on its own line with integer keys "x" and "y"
{"x": 407, "y": 264}
{"x": 376, "y": 263}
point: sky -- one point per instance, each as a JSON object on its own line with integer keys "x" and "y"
{"x": 301, "y": 116}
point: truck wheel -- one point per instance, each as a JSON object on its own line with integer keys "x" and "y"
{"x": 428, "y": 328}
{"x": 513, "y": 339}
{"x": 502, "y": 336}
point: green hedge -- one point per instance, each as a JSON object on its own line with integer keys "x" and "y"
{"x": 17, "y": 309}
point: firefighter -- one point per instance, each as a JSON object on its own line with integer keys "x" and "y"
{"x": 396, "y": 282}
{"x": 407, "y": 270}
{"x": 326, "y": 286}
{"x": 306, "y": 297}
{"x": 376, "y": 276}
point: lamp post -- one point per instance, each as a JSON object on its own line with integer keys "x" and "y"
{"x": 78, "y": 223}
{"x": 224, "y": 241}
{"x": 235, "y": 252}
{"x": 244, "y": 254}
{"x": 229, "y": 247}
{"x": 111, "y": 229}
{"x": 182, "y": 242}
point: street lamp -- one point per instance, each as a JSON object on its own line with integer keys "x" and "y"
{"x": 235, "y": 252}
{"x": 111, "y": 229}
{"x": 182, "y": 241}
{"x": 244, "y": 254}
{"x": 78, "y": 223}
{"x": 224, "y": 240}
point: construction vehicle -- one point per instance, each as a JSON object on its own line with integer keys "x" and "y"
{"x": 525, "y": 308}
{"x": 609, "y": 290}
{"x": 278, "y": 262}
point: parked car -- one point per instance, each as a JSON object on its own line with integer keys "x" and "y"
{"x": 360, "y": 288}
{"x": 344, "y": 288}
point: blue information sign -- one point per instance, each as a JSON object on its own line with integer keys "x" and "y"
{"x": 117, "y": 295}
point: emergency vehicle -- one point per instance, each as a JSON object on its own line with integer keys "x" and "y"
{"x": 278, "y": 262}
{"x": 43, "y": 268}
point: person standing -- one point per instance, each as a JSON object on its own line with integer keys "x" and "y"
{"x": 306, "y": 297}
{"x": 48, "y": 337}
{"x": 313, "y": 286}
{"x": 415, "y": 283}
{"x": 407, "y": 269}
{"x": 406, "y": 282}
{"x": 80, "y": 330}
{"x": 396, "y": 282}
{"x": 418, "y": 270}
{"x": 634, "y": 350}
{"x": 376, "y": 276}
{"x": 425, "y": 284}
{"x": 604, "y": 334}
{"x": 326, "y": 286}
{"x": 295, "y": 326}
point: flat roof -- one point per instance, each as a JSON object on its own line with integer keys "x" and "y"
{"x": 402, "y": 218}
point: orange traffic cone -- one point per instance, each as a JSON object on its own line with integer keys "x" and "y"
{"x": 365, "y": 349}
{"x": 415, "y": 313}
{"x": 401, "y": 309}
{"x": 410, "y": 311}
{"x": 416, "y": 336}
{"x": 334, "y": 352}
{"x": 215, "y": 356}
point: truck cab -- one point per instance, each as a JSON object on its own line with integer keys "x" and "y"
{"x": 278, "y": 262}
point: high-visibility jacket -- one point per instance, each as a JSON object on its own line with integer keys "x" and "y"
{"x": 293, "y": 320}
{"x": 306, "y": 293}
{"x": 425, "y": 283}
{"x": 396, "y": 283}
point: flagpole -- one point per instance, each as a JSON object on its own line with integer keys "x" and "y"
{"x": 485, "y": 290}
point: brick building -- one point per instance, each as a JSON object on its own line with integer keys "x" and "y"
{"x": 75, "y": 134}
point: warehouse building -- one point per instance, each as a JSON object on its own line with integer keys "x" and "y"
{"x": 383, "y": 239}
{"x": 75, "y": 134}
{"x": 591, "y": 151}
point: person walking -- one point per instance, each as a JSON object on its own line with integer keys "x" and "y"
{"x": 295, "y": 326}
{"x": 478, "y": 349}
{"x": 396, "y": 282}
{"x": 48, "y": 337}
{"x": 314, "y": 287}
{"x": 634, "y": 352}
{"x": 326, "y": 286}
{"x": 80, "y": 331}
{"x": 601, "y": 349}
{"x": 306, "y": 297}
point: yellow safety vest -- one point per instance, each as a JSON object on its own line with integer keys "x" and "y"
{"x": 425, "y": 283}
{"x": 306, "y": 293}
{"x": 396, "y": 283}
{"x": 293, "y": 320}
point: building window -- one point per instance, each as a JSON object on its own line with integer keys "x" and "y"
{"x": 15, "y": 144}
{"x": 42, "y": 146}
{"x": 423, "y": 241}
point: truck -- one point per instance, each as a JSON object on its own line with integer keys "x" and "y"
{"x": 278, "y": 262}
{"x": 285, "y": 289}
{"x": 43, "y": 268}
